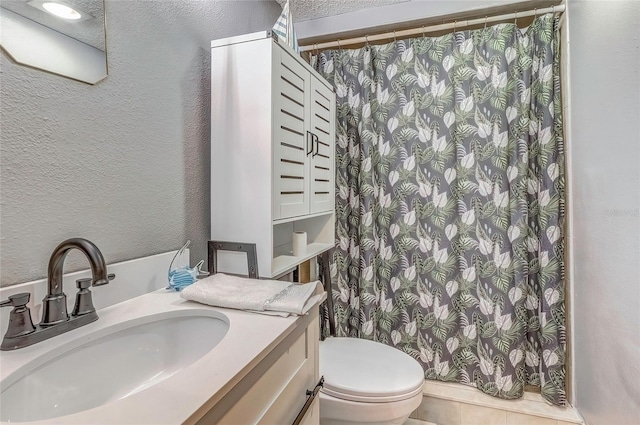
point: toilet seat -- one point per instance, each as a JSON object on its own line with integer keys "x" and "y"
{"x": 360, "y": 370}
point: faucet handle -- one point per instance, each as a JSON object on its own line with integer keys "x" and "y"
{"x": 84, "y": 283}
{"x": 84, "y": 301}
{"x": 20, "y": 317}
{"x": 17, "y": 300}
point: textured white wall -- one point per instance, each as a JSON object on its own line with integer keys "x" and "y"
{"x": 124, "y": 163}
{"x": 605, "y": 190}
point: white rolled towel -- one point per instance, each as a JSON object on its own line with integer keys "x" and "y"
{"x": 284, "y": 298}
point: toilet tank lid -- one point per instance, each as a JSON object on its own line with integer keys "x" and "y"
{"x": 359, "y": 369}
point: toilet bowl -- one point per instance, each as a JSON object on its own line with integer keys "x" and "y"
{"x": 367, "y": 382}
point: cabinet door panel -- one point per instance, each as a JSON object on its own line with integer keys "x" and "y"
{"x": 290, "y": 72}
{"x": 291, "y": 91}
{"x": 294, "y": 157}
{"x": 322, "y": 180}
{"x": 292, "y": 108}
{"x": 290, "y": 114}
{"x": 292, "y": 183}
{"x": 292, "y": 398}
{"x": 294, "y": 125}
{"x": 263, "y": 399}
{"x": 291, "y": 168}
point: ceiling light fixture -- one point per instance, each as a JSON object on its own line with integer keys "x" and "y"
{"x": 60, "y": 10}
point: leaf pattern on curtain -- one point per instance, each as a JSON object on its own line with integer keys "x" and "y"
{"x": 450, "y": 204}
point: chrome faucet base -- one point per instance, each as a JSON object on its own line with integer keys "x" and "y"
{"x": 45, "y": 332}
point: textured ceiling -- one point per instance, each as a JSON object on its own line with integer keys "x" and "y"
{"x": 304, "y": 10}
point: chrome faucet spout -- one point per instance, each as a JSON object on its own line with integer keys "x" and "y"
{"x": 55, "y": 303}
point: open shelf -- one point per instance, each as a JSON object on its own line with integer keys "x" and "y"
{"x": 320, "y": 230}
{"x": 285, "y": 262}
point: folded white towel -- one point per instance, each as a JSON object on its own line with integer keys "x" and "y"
{"x": 283, "y": 298}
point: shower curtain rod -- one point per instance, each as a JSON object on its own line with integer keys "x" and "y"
{"x": 431, "y": 28}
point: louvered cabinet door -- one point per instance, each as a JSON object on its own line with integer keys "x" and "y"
{"x": 322, "y": 183}
{"x": 291, "y": 141}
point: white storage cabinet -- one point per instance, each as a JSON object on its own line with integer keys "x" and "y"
{"x": 272, "y": 153}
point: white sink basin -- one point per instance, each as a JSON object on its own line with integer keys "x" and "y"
{"x": 109, "y": 364}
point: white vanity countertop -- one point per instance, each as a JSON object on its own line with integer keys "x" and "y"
{"x": 189, "y": 393}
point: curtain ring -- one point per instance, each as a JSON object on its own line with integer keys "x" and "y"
{"x": 366, "y": 39}
{"x": 454, "y": 27}
{"x": 515, "y": 19}
{"x": 423, "y": 32}
{"x": 394, "y": 36}
{"x": 339, "y": 46}
{"x": 535, "y": 13}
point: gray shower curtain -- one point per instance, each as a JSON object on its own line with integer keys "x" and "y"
{"x": 450, "y": 204}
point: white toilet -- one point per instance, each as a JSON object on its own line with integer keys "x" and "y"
{"x": 367, "y": 382}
